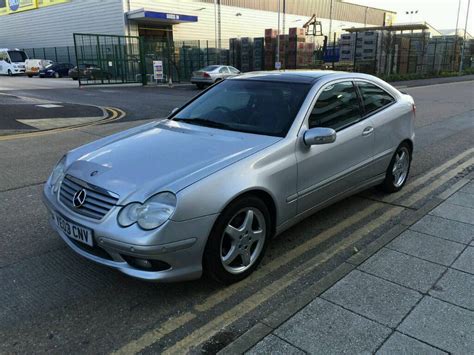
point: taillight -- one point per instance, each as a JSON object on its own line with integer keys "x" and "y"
{"x": 206, "y": 75}
{"x": 413, "y": 107}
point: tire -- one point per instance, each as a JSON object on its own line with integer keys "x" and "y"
{"x": 200, "y": 86}
{"x": 74, "y": 78}
{"x": 56, "y": 75}
{"x": 30, "y": 76}
{"x": 9, "y": 72}
{"x": 395, "y": 178}
{"x": 246, "y": 241}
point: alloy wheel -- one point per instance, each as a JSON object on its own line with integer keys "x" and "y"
{"x": 243, "y": 240}
{"x": 400, "y": 167}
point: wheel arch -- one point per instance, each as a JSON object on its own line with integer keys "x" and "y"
{"x": 409, "y": 142}
{"x": 266, "y": 198}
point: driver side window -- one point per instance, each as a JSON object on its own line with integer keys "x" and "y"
{"x": 337, "y": 107}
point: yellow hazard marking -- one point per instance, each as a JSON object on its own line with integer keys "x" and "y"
{"x": 115, "y": 114}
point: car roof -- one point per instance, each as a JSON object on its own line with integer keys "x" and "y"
{"x": 299, "y": 76}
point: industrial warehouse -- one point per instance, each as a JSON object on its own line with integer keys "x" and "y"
{"x": 125, "y": 38}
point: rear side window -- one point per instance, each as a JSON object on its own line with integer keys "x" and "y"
{"x": 374, "y": 97}
{"x": 337, "y": 107}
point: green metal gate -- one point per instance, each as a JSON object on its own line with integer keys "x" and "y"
{"x": 109, "y": 59}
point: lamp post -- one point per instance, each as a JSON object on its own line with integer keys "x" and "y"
{"x": 464, "y": 37}
{"x": 330, "y": 20}
{"x": 277, "y": 55}
{"x": 411, "y": 13}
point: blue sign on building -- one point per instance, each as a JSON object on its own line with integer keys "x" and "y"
{"x": 14, "y": 4}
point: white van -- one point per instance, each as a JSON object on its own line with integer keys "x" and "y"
{"x": 34, "y": 66}
{"x": 12, "y": 61}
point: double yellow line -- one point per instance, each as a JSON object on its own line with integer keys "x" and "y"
{"x": 113, "y": 114}
{"x": 223, "y": 320}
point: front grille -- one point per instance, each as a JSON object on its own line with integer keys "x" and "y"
{"x": 97, "y": 203}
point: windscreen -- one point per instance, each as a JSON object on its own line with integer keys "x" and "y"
{"x": 17, "y": 56}
{"x": 261, "y": 107}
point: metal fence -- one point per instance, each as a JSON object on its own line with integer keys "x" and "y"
{"x": 108, "y": 59}
{"x": 57, "y": 54}
{"x": 128, "y": 59}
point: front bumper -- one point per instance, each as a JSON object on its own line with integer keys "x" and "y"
{"x": 182, "y": 252}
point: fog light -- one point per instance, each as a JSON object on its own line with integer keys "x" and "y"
{"x": 143, "y": 263}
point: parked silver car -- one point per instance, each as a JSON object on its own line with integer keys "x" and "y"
{"x": 206, "y": 189}
{"x": 212, "y": 74}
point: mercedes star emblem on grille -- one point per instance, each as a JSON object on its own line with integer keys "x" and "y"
{"x": 79, "y": 198}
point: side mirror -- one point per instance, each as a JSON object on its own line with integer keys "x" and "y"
{"x": 174, "y": 110}
{"x": 319, "y": 135}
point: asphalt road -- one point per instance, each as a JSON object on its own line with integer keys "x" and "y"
{"x": 54, "y": 301}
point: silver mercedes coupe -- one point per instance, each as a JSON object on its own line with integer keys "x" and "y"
{"x": 205, "y": 190}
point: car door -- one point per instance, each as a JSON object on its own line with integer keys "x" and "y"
{"x": 388, "y": 122}
{"x": 328, "y": 170}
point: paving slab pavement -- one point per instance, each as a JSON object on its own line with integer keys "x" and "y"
{"x": 413, "y": 296}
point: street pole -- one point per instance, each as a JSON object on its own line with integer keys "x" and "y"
{"x": 215, "y": 23}
{"x": 456, "y": 35}
{"x": 464, "y": 37}
{"x": 365, "y": 17}
{"x": 219, "y": 29}
{"x": 277, "y": 55}
{"x": 330, "y": 20}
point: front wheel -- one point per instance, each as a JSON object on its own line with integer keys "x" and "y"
{"x": 238, "y": 240}
{"x": 56, "y": 75}
{"x": 398, "y": 170}
{"x": 9, "y": 72}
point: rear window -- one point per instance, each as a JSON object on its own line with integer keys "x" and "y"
{"x": 210, "y": 68}
{"x": 374, "y": 97}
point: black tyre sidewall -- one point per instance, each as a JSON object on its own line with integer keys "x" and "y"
{"x": 211, "y": 260}
{"x": 388, "y": 184}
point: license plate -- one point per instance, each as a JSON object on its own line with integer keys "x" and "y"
{"x": 74, "y": 231}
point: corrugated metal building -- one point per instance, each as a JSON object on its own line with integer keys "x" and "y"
{"x": 49, "y": 23}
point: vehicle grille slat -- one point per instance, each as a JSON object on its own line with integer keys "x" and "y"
{"x": 98, "y": 201}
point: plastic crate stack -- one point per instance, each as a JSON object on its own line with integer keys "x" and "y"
{"x": 258, "y": 53}
{"x": 246, "y": 54}
{"x": 300, "y": 52}
{"x": 270, "y": 48}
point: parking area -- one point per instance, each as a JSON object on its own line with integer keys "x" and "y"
{"x": 55, "y": 301}
{"x": 22, "y": 82}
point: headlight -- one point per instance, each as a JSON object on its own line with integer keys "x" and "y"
{"x": 151, "y": 214}
{"x": 58, "y": 173}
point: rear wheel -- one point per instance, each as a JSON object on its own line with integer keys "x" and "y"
{"x": 398, "y": 170}
{"x": 30, "y": 76}
{"x": 200, "y": 86}
{"x": 238, "y": 240}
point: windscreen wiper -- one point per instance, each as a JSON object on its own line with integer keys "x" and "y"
{"x": 203, "y": 122}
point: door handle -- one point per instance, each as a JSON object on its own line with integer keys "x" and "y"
{"x": 367, "y": 131}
